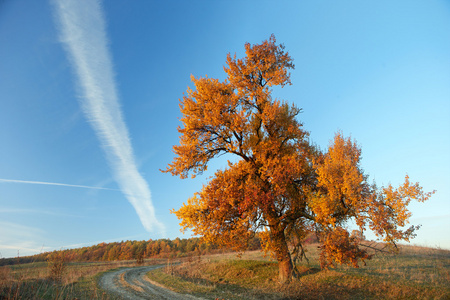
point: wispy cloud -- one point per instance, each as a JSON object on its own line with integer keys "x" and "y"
{"x": 16, "y": 237}
{"x": 39, "y": 212}
{"x": 82, "y": 32}
{"x": 56, "y": 183}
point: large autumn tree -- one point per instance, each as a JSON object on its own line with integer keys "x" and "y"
{"x": 278, "y": 184}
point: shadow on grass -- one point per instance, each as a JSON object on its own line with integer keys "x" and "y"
{"x": 223, "y": 288}
{"x": 326, "y": 290}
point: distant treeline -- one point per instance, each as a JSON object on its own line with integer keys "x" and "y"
{"x": 130, "y": 250}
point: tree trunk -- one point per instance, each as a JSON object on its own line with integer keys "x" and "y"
{"x": 285, "y": 270}
{"x": 285, "y": 267}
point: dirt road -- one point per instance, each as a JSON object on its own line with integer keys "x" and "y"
{"x": 131, "y": 283}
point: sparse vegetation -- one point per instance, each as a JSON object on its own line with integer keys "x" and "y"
{"x": 37, "y": 280}
{"x": 415, "y": 273}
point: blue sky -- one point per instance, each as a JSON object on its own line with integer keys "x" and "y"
{"x": 377, "y": 70}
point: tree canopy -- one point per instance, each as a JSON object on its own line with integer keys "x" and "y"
{"x": 280, "y": 185}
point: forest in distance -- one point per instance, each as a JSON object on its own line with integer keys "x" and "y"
{"x": 186, "y": 265}
{"x": 132, "y": 250}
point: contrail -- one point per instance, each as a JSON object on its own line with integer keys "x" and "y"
{"x": 56, "y": 183}
{"x": 83, "y": 34}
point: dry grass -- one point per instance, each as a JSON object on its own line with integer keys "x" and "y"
{"x": 37, "y": 280}
{"x": 415, "y": 273}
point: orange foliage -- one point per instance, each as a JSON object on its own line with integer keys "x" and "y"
{"x": 341, "y": 248}
{"x": 280, "y": 185}
{"x": 388, "y": 211}
{"x": 342, "y": 185}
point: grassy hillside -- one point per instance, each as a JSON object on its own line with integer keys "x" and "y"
{"x": 415, "y": 273}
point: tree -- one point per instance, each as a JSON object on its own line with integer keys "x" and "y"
{"x": 279, "y": 185}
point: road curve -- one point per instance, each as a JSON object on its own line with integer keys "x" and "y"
{"x": 131, "y": 283}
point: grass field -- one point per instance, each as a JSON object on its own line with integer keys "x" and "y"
{"x": 31, "y": 281}
{"x": 415, "y": 273}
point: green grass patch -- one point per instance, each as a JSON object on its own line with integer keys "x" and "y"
{"x": 182, "y": 286}
{"x": 415, "y": 273}
{"x": 228, "y": 279}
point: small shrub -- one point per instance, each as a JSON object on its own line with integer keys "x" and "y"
{"x": 140, "y": 259}
{"x": 57, "y": 266}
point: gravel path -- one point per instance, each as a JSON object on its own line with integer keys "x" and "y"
{"x": 131, "y": 283}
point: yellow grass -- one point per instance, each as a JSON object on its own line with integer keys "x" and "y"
{"x": 31, "y": 281}
{"x": 415, "y": 273}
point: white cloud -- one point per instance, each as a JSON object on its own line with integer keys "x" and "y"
{"x": 39, "y": 212}
{"x": 55, "y": 183}
{"x": 82, "y": 32}
{"x": 19, "y": 239}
